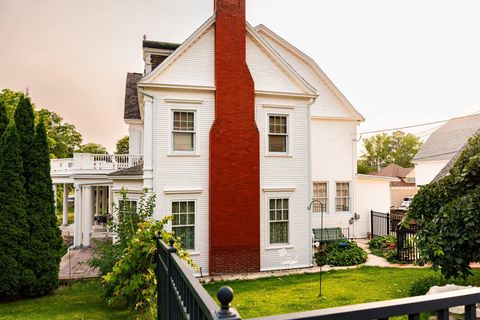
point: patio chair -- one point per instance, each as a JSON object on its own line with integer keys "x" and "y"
{"x": 288, "y": 260}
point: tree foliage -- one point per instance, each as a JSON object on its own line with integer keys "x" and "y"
{"x": 122, "y": 145}
{"x": 25, "y": 124}
{"x": 14, "y": 235}
{"x": 63, "y": 138}
{"x": 10, "y": 100}
{"x": 383, "y": 149}
{"x": 3, "y": 117}
{"x": 448, "y": 215}
{"x": 93, "y": 148}
{"x": 45, "y": 239}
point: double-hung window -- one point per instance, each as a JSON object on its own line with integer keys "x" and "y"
{"x": 278, "y": 212}
{"x": 342, "y": 197}
{"x": 277, "y": 134}
{"x": 127, "y": 206}
{"x": 320, "y": 193}
{"x": 184, "y": 222}
{"x": 183, "y": 132}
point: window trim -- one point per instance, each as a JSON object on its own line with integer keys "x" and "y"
{"x": 287, "y": 135}
{"x": 269, "y": 245}
{"x": 327, "y": 197}
{"x": 129, "y": 200}
{"x": 171, "y": 132}
{"x": 195, "y": 240}
{"x": 349, "y": 197}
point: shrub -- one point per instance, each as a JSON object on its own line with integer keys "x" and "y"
{"x": 133, "y": 277}
{"x": 421, "y": 286}
{"x": 124, "y": 226}
{"x": 341, "y": 253}
{"x": 382, "y": 242}
{"x": 384, "y": 246}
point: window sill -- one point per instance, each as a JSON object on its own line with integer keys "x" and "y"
{"x": 193, "y": 253}
{"x": 280, "y": 155}
{"x": 192, "y": 155}
{"x": 278, "y": 247}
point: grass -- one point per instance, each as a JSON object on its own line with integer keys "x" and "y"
{"x": 81, "y": 300}
{"x": 296, "y": 293}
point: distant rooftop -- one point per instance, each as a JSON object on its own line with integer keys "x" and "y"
{"x": 449, "y": 139}
{"x": 394, "y": 170}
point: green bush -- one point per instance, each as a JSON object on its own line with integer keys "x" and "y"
{"x": 341, "y": 253}
{"x": 384, "y": 246}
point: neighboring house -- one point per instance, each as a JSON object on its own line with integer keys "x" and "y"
{"x": 404, "y": 186}
{"x": 442, "y": 146}
{"x": 236, "y": 131}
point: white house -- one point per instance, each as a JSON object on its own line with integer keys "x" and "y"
{"x": 236, "y": 131}
{"x": 442, "y": 146}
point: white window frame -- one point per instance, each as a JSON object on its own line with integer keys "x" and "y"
{"x": 349, "y": 197}
{"x": 170, "y": 210}
{"x": 267, "y": 134}
{"x": 316, "y": 205}
{"x": 130, "y": 200}
{"x": 172, "y": 131}
{"x": 283, "y": 244}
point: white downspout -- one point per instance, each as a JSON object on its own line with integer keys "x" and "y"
{"x": 310, "y": 195}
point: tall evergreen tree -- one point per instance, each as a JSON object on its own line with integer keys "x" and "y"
{"x": 25, "y": 123}
{"x": 3, "y": 117}
{"x": 45, "y": 235}
{"x": 14, "y": 235}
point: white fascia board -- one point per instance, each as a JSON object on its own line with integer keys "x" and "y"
{"x": 373, "y": 177}
{"x": 329, "y": 83}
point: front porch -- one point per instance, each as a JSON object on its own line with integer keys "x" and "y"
{"x": 87, "y": 176}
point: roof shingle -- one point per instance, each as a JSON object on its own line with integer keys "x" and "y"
{"x": 132, "y": 109}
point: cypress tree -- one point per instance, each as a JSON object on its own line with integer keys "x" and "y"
{"x": 3, "y": 118}
{"x": 45, "y": 235}
{"x": 14, "y": 235}
{"x": 25, "y": 123}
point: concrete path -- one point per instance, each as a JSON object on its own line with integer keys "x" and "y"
{"x": 372, "y": 260}
{"x": 73, "y": 266}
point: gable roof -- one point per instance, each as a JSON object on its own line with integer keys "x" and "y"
{"x": 263, "y": 30}
{"x": 446, "y": 169}
{"x": 449, "y": 139}
{"x": 132, "y": 109}
{"x": 304, "y": 85}
{"x": 394, "y": 170}
{"x": 160, "y": 45}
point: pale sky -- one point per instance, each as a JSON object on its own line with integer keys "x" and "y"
{"x": 398, "y": 62}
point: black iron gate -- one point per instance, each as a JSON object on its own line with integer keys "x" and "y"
{"x": 384, "y": 223}
{"x": 407, "y": 249}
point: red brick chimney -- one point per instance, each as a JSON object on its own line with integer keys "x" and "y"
{"x": 234, "y": 150}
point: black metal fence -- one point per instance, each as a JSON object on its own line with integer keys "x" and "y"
{"x": 181, "y": 296}
{"x": 384, "y": 223}
{"x": 407, "y": 249}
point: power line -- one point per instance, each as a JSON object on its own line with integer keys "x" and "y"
{"x": 406, "y": 127}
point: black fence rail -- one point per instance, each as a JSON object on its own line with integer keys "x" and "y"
{"x": 181, "y": 296}
{"x": 384, "y": 223}
{"x": 411, "y": 307}
{"x": 407, "y": 249}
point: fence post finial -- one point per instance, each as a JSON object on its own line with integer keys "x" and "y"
{"x": 225, "y": 296}
{"x": 171, "y": 242}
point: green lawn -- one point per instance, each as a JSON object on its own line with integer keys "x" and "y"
{"x": 82, "y": 300}
{"x": 295, "y": 293}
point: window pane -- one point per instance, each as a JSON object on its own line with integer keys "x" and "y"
{"x": 277, "y": 143}
{"x": 175, "y": 207}
{"x": 278, "y": 124}
{"x": 183, "y": 141}
{"x": 278, "y": 232}
{"x": 187, "y": 236}
{"x": 191, "y": 207}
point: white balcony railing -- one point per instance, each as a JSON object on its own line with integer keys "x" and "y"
{"x": 93, "y": 162}
{"x": 61, "y": 165}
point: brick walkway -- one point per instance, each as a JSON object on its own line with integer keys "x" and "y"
{"x": 73, "y": 266}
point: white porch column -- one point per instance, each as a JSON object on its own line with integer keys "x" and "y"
{"x": 104, "y": 199}
{"x": 87, "y": 215}
{"x": 97, "y": 201}
{"x": 55, "y": 197}
{"x": 148, "y": 143}
{"x": 110, "y": 200}
{"x": 77, "y": 218}
{"x": 65, "y": 205}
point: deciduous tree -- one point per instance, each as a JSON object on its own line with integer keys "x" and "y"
{"x": 93, "y": 148}
{"x": 448, "y": 215}
{"x": 122, "y": 145}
